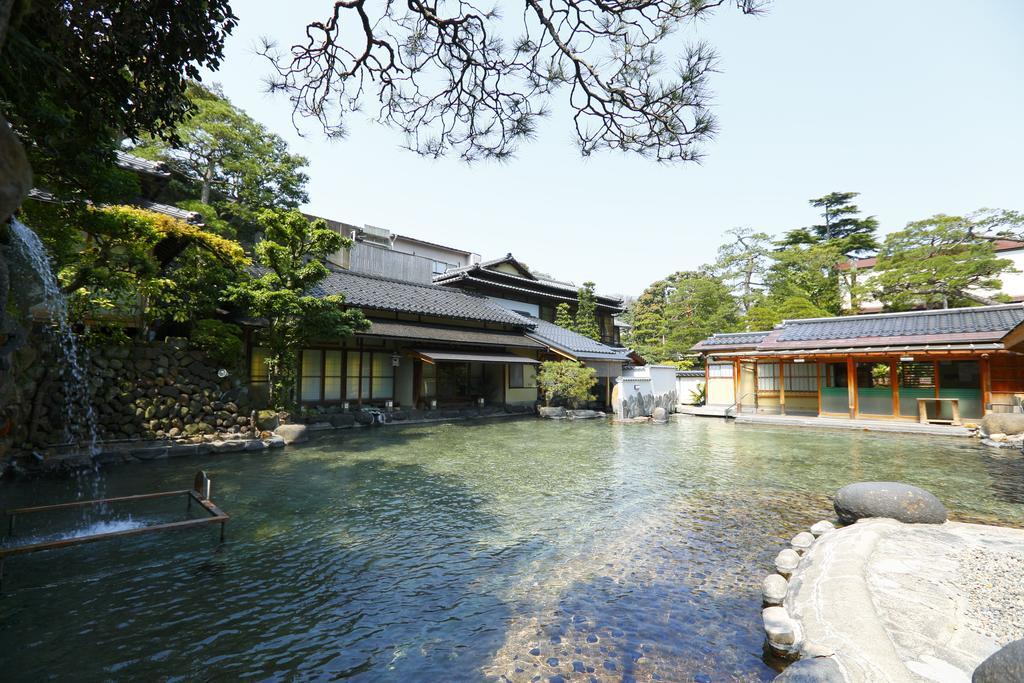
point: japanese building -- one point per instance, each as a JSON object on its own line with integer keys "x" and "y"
{"x": 935, "y": 366}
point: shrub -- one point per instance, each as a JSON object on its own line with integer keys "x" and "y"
{"x": 220, "y": 341}
{"x": 567, "y": 380}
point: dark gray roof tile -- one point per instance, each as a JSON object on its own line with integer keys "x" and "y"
{"x": 994, "y": 319}
{"x": 368, "y": 291}
{"x": 576, "y": 344}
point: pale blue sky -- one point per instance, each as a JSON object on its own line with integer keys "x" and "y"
{"x": 918, "y": 105}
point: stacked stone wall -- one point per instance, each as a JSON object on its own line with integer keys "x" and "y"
{"x": 140, "y": 391}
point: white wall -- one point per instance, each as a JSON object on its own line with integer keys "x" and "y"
{"x": 686, "y": 385}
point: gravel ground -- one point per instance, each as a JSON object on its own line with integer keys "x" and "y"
{"x": 993, "y": 583}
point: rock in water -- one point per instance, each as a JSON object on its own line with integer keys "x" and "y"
{"x": 821, "y": 528}
{"x": 902, "y": 502}
{"x": 551, "y": 412}
{"x": 292, "y": 433}
{"x": 1003, "y": 423}
{"x": 773, "y": 589}
{"x": 815, "y": 670}
{"x": 659, "y": 415}
{"x": 1006, "y": 664}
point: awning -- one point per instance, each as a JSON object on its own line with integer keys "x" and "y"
{"x": 469, "y": 357}
{"x": 426, "y": 334}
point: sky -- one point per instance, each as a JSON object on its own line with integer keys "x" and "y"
{"x": 918, "y": 105}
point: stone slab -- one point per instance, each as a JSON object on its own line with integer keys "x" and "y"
{"x": 905, "y": 602}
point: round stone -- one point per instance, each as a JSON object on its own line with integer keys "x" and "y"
{"x": 815, "y": 670}
{"x": 821, "y": 528}
{"x": 786, "y": 561}
{"x": 802, "y": 541}
{"x": 773, "y": 589}
{"x": 902, "y": 502}
{"x": 1005, "y": 664}
{"x": 659, "y": 415}
{"x": 779, "y": 627}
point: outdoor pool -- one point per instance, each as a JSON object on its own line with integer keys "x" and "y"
{"x": 454, "y": 552}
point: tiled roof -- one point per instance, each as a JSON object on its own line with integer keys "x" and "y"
{"x": 395, "y": 329}
{"x": 374, "y": 292}
{"x": 951, "y": 327}
{"x": 172, "y": 211}
{"x": 573, "y": 343}
{"x": 983, "y": 319}
{"x": 130, "y": 162}
{"x": 734, "y": 339}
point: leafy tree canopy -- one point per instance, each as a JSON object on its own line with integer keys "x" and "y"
{"x": 700, "y": 306}
{"x": 943, "y": 261}
{"x": 743, "y": 262}
{"x": 80, "y": 76}
{"x": 291, "y": 256}
{"x": 586, "y": 312}
{"x": 770, "y": 311}
{"x": 841, "y": 226}
{"x": 648, "y": 335}
{"x": 566, "y": 380}
{"x": 230, "y": 156}
{"x": 563, "y": 316}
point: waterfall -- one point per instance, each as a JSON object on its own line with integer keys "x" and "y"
{"x": 79, "y": 417}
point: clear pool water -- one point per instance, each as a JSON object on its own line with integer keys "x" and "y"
{"x": 526, "y": 550}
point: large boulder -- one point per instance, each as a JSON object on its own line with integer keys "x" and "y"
{"x": 814, "y": 670}
{"x": 551, "y": 412}
{"x": 267, "y": 420}
{"x": 902, "y": 502}
{"x": 1006, "y": 664}
{"x": 292, "y": 433}
{"x": 659, "y": 415}
{"x": 1003, "y": 423}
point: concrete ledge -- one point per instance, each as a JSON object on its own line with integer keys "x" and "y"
{"x": 901, "y": 427}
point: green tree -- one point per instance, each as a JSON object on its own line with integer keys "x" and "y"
{"x": 770, "y": 311}
{"x": 230, "y": 155}
{"x": 79, "y": 77}
{"x": 566, "y": 380}
{"x": 940, "y": 262}
{"x": 700, "y": 306}
{"x": 563, "y": 316}
{"x": 291, "y": 259}
{"x": 841, "y": 224}
{"x": 743, "y": 262}
{"x": 586, "y": 312}
{"x": 808, "y": 271}
{"x": 648, "y": 335}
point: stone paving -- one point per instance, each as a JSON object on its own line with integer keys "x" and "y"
{"x": 888, "y": 601}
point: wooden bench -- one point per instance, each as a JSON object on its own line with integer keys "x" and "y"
{"x": 922, "y": 410}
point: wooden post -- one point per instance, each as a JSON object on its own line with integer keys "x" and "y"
{"x": 736, "y": 383}
{"x": 851, "y": 386}
{"x": 894, "y": 383}
{"x": 782, "y": 387}
{"x": 817, "y": 373}
{"x": 986, "y": 384}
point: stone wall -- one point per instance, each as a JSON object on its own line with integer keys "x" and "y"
{"x": 142, "y": 391}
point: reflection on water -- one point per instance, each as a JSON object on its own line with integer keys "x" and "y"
{"x": 513, "y": 550}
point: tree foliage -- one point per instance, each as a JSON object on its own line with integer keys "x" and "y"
{"x": 772, "y": 310}
{"x": 447, "y": 77}
{"x": 80, "y": 76}
{"x": 700, "y": 306}
{"x": 940, "y": 262}
{"x": 648, "y": 335}
{"x": 586, "y": 312}
{"x": 291, "y": 260}
{"x": 563, "y": 316}
{"x": 228, "y": 155}
{"x": 743, "y": 262}
{"x": 566, "y": 380}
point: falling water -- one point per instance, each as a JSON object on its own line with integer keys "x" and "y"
{"x": 80, "y": 419}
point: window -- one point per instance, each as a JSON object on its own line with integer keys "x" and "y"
{"x": 959, "y": 374}
{"x": 382, "y": 377}
{"x": 320, "y": 378}
{"x": 767, "y": 376}
{"x": 258, "y": 373}
{"x": 439, "y": 267}
{"x": 917, "y": 375}
{"x": 720, "y": 370}
{"x": 428, "y": 380}
{"x": 873, "y": 375}
{"x": 835, "y": 376}
{"x": 312, "y": 373}
{"x": 522, "y": 376}
{"x": 801, "y": 377}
